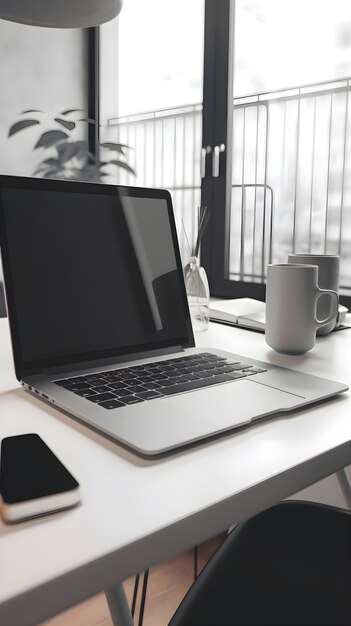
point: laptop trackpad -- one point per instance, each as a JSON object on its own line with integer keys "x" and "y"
{"x": 213, "y": 409}
{"x": 172, "y": 422}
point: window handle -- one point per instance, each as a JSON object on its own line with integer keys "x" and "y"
{"x": 204, "y": 153}
{"x": 215, "y": 159}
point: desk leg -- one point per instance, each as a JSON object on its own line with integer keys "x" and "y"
{"x": 119, "y": 607}
{"x": 344, "y": 486}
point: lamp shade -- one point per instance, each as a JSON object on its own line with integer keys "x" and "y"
{"x": 60, "y": 13}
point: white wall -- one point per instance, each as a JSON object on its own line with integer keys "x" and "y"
{"x": 40, "y": 68}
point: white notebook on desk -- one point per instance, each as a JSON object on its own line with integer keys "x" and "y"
{"x": 244, "y": 312}
{"x": 250, "y": 313}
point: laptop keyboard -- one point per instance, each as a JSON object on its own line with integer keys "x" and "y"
{"x": 130, "y": 385}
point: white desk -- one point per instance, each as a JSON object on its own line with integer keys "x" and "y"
{"x": 135, "y": 513}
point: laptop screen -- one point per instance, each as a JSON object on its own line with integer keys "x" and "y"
{"x": 91, "y": 271}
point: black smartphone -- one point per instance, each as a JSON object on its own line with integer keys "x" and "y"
{"x": 32, "y": 479}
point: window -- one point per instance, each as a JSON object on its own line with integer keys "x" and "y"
{"x": 243, "y": 106}
{"x": 151, "y": 99}
{"x": 287, "y": 180}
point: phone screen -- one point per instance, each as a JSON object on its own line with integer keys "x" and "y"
{"x": 30, "y": 470}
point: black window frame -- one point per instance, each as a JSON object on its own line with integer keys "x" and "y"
{"x": 93, "y": 88}
{"x": 217, "y": 131}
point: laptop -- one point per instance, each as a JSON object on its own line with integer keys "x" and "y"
{"x": 100, "y": 324}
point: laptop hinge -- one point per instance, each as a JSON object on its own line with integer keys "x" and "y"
{"x": 85, "y": 365}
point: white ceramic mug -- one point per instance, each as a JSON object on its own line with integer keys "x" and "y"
{"x": 291, "y": 303}
{"x": 328, "y": 278}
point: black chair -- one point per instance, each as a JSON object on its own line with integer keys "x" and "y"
{"x": 290, "y": 565}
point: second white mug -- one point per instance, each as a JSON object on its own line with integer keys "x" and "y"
{"x": 291, "y": 302}
{"x": 328, "y": 278}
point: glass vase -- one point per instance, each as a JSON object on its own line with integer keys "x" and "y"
{"x": 198, "y": 294}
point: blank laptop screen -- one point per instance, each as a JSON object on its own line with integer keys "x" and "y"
{"x": 92, "y": 273}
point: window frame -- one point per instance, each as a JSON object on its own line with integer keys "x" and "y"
{"x": 217, "y": 127}
{"x": 93, "y": 88}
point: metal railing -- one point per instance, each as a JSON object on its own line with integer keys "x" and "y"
{"x": 291, "y": 180}
{"x": 251, "y": 224}
{"x": 166, "y": 153}
{"x": 299, "y": 141}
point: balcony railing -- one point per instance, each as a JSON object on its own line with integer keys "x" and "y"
{"x": 291, "y": 175}
{"x": 166, "y": 153}
{"x": 297, "y": 141}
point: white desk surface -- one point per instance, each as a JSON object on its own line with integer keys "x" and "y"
{"x": 135, "y": 512}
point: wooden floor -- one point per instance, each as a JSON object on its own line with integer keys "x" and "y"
{"x": 168, "y": 583}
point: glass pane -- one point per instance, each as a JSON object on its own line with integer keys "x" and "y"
{"x": 291, "y": 180}
{"x": 151, "y": 94}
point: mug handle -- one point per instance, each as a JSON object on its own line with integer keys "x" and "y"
{"x": 335, "y": 306}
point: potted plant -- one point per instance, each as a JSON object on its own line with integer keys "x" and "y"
{"x": 66, "y": 156}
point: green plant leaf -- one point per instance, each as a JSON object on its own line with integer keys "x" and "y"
{"x": 48, "y": 164}
{"x": 116, "y": 147}
{"x": 67, "y": 151}
{"x": 31, "y": 111}
{"x": 76, "y": 171}
{"x": 51, "y": 161}
{"x": 66, "y": 123}
{"x": 83, "y": 149}
{"x": 49, "y": 138}
{"x": 15, "y": 128}
{"x": 51, "y": 173}
{"x": 90, "y": 120}
{"x": 82, "y": 144}
{"x": 122, "y": 164}
{"x": 68, "y": 111}
{"x": 40, "y": 170}
{"x": 88, "y": 173}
